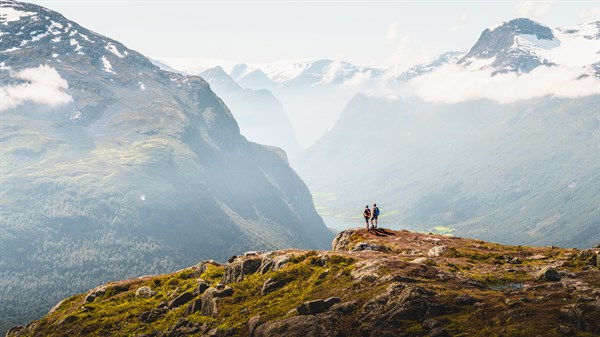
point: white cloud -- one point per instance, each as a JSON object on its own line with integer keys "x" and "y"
{"x": 43, "y": 86}
{"x": 532, "y": 9}
{"x": 359, "y": 79}
{"x": 332, "y": 71}
{"x": 407, "y": 54}
{"x": 453, "y": 83}
{"x": 590, "y": 14}
{"x": 392, "y": 32}
{"x": 461, "y": 21}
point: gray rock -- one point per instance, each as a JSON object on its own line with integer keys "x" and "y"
{"x": 329, "y": 302}
{"x": 210, "y": 299}
{"x": 342, "y": 241}
{"x": 180, "y": 300}
{"x": 95, "y": 293}
{"x": 312, "y": 307}
{"x": 271, "y": 285}
{"x": 370, "y": 246}
{"x": 516, "y": 260}
{"x": 548, "y": 274}
{"x": 237, "y": 270}
{"x": 144, "y": 292}
{"x": 152, "y": 315}
{"x": 193, "y": 307}
{"x": 252, "y": 324}
{"x": 437, "y": 251}
{"x": 201, "y": 288}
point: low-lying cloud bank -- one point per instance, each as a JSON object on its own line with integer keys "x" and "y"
{"x": 453, "y": 84}
{"x": 44, "y": 85}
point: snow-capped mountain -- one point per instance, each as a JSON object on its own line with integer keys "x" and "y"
{"x": 451, "y": 57}
{"x": 522, "y": 45}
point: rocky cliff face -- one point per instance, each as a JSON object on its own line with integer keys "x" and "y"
{"x": 112, "y": 168}
{"x": 374, "y": 283}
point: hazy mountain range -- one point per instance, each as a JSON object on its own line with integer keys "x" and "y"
{"x": 113, "y": 168}
{"x": 498, "y": 142}
{"x": 502, "y": 145}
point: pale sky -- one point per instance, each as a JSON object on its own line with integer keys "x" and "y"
{"x": 377, "y": 33}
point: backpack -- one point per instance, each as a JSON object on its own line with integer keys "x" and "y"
{"x": 376, "y": 211}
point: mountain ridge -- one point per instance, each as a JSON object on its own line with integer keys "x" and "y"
{"x": 374, "y": 282}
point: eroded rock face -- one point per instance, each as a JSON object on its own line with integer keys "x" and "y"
{"x": 236, "y": 270}
{"x": 548, "y": 274}
{"x": 399, "y": 302}
{"x": 370, "y": 246}
{"x": 210, "y": 299}
{"x": 342, "y": 241}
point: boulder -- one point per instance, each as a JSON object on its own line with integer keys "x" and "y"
{"x": 252, "y": 324}
{"x": 144, "y": 292}
{"x": 237, "y": 270}
{"x": 548, "y": 274}
{"x": 317, "y": 306}
{"x": 210, "y": 297}
{"x": 437, "y": 251}
{"x": 273, "y": 263}
{"x": 399, "y": 302}
{"x": 193, "y": 307}
{"x": 152, "y": 315}
{"x": 312, "y": 307}
{"x": 271, "y": 285}
{"x": 343, "y": 240}
{"x": 370, "y": 246}
{"x": 180, "y": 300}
{"x": 201, "y": 288}
{"x": 95, "y": 293}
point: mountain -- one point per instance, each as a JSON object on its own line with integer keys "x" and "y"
{"x": 518, "y": 171}
{"x": 261, "y": 116}
{"x": 373, "y": 283}
{"x": 313, "y": 92}
{"x": 112, "y": 168}
{"x": 522, "y": 45}
{"x": 451, "y": 57}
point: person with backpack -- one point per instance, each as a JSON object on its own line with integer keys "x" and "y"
{"x": 367, "y": 215}
{"x": 375, "y": 215}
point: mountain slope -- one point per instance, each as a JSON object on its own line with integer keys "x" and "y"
{"x": 112, "y": 168}
{"x": 373, "y": 283}
{"x": 522, "y": 173}
{"x": 261, "y": 116}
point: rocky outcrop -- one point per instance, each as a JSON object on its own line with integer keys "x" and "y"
{"x": 92, "y": 295}
{"x": 317, "y": 306}
{"x": 145, "y": 292}
{"x": 236, "y": 270}
{"x": 370, "y": 246}
{"x": 437, "y": 251}
{"x": 548, "y": 274}
{"x": 342, "y": 241}
{"x": 210, "y": 299}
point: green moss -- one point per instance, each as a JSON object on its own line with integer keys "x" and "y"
{"x": 213, "y": 274}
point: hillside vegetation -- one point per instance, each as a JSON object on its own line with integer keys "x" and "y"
{"x": 373, "y": 283}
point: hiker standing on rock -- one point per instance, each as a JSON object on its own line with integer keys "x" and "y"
{"x": 375, "y": 215}
{"x": 367, "y": 215}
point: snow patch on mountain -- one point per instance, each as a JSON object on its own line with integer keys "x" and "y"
{"x": 111, "y": 48}
{"x": 9, "y": 14}
{"x": 107, "y": 65}
{"x": 579, "y": 46}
